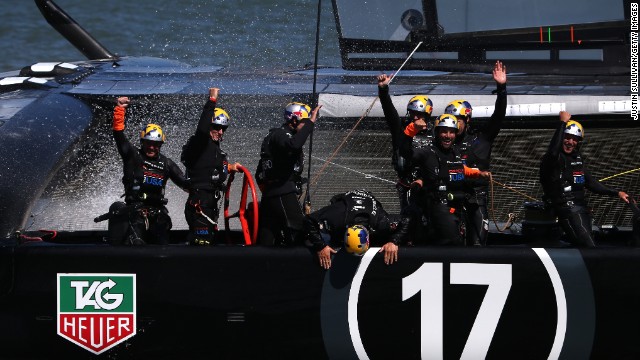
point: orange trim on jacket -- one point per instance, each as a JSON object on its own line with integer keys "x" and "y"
{"x": 411, "y": 130}
{"x": 471, "y": 172}
{"x": 118, "y": 118}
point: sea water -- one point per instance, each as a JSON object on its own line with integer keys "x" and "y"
{"x": 260, "y": 34}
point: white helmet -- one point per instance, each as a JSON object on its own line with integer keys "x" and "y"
{"x": 295, "y": 112}
{"x": 446, "y": 121}
{"x": 220, "y": 117}
{"x": 574, "y": 128}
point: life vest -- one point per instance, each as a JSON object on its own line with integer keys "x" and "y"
{"x": 360, "y": 204}
{"x": 270, "y": 171}
{"x": 209, "y": 171}
{"x": 562, "y": 178}
{"x": 264, "y": 171}
{"x": 573, "y": 181}
{"x": 450, "y": 183}
{"x": 148, "y": 182}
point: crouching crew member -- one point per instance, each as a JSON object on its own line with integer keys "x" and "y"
{"x": 207, "y": 169}
{"x": 143, "y": 217}
{"x": 329, "y": 227}
{"x": 443, "y": 175}
{"x": 564, "y": 177}
{"x": 280, "y": 165}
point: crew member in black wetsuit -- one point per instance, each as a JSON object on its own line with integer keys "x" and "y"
{"x": 279, "y": 168}
{"x": 475, "y": 147}
{"x": 207, "y": 169}
{"x": 442, "y": 178}
{"x": 418, "y": 108}
{"x": 326, "y": 227}
{"x": 143, "y": 217}
{"x": 564, "y": 177}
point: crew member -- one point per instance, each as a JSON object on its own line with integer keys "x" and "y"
{"x": 442, "y": 178}
{"x": 418, "y": 108}
{"x": 207, "y": 170}
{"x": 564, "y": 177}
{"x": 143, "y": 217}
{"x": 474, "y": 145}
{"x": 326, "y": 227}
{"x": 278, "y": 174}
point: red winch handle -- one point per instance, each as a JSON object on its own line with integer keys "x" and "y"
{"x": 249, "y": 239}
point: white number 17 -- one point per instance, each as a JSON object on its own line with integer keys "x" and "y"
{"x": 428, "y": 279}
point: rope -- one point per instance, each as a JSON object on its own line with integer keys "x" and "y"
{"x": 511, "y": 216}
{"x": 355, "y": 171}
{"x": 145, "y": 214}
{"x": 622, "y": 173}
{"x": 314, "y": 181}
{"x": 512, "y": 189}
{"x": 344, "y": 140}
{"x": 200, "y": 212}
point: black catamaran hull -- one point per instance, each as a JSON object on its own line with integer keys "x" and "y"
{"x": 253, "y": 302}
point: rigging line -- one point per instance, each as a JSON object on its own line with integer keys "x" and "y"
{"x": 622, "y": 173}
{"x": 405, "y": 62}
{"x": 511, "y": 216}
{"x": 314, "y": 181}
{"x": 355, "y": 171}
{"x": 307, "y": 198}
{"x": 514, "y": 190}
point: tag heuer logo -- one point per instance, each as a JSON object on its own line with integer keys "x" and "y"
{"x": 96, "y": 311}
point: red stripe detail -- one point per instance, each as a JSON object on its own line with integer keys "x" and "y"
{"x": 572, "y": 34}
{"x": 541, "y": 38}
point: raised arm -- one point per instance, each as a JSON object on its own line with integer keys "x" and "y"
{"x": 495, "y": 123}
{"x": 207, "y": 113}
{"x": 390, "y": 113}
{"x": 405, "y": 140}
{"x": 556, "y": 141}
{"x": 500, "y": 74}
{"x": 197, "y": 143}
{"x": 296, "y": 142}
{"x": 122, "y": 143}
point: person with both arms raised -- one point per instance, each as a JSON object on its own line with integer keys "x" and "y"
{"x": 207, "y": 170}
{"x": 143, "y": 217}
{"x": 474, "y": 145}
{"x": 442, "y": 178}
